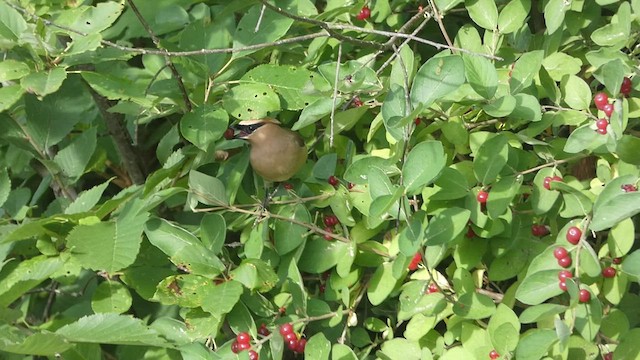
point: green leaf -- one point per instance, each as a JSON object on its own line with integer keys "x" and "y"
{"x": 255, "y": 274}
{"x": 206, "y": 189}
{"x": 9, "y": 95}
{"x": 615, "y": 34}
{"x": 424, "y": 163}
{"x": 611, "y": 74}
{"x": 320, "y": 255}
{"x": 438, "y": 77}
{"x": 5, "y": 186}
{"x": 554, "y": 13}
{"x": 87, "y": 199}
{"x": 75, "y": 157}
{"x": 342, "y": 352}
{"x": 474, "y": 306}
{"x": 513, "y": 15}
{"x": 584, "y": 138}
{"x": 111, "y": 329}
{"x": 108, "y": 246}
{"x": 524, "y": 70}
{"x": 628, "y": 149}
{"x": 12, "y": 69}
{"x": 272, "y": 27}
{"x": 540, "y": 312}
{"x": 559, "y": 65}
{"x": 501, "y": 106}
{"x": 413, "y": 300}
{"x": 535, "y": 344}
{"x": 12, "y": 24}
{"x": 294, "y": 84}
{"x": 446, "y": 225}
{"x": 576, "y": 92}
{"x": 114, "y": 88}
{"x": 381, "y": 284}
{"x": 213, "y": 230}
{"x": 490, "y": 159}
{"x": 631, "y": 265}
{"x": 318, "y": 348}
{"x": 353, "y": 76}
{"x": 318, "y": 109}
{"x": 481, "y": 74}
{"x": 204, "y": 125}
{"x": 401, "y": 348}
{"x": 288, "y": 235}
{"x": 221, "y": 298}
{"x": 504, "y": 329}
{"x": 614, "y": 205}
{"x": 44, "y": 343}
{"x": 538, "y": 287}
{"x": 26, "y": 275}
{"x": 251, "y": 101}
{"x": 51, "y": 119}
{"x": 111, "y": 297}
{"x": 502, "y": 193}
{"x": 483, "y": 12}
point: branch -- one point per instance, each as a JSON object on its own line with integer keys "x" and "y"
{"x": 120, "y": 135}
{"x": 169, "y": 63}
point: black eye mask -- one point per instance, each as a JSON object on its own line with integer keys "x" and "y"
{"x": 246, "y": 129}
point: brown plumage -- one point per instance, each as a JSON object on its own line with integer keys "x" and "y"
{"x": 276, "y": 153}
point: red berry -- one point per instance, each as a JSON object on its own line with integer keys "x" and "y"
{"x": 286, "y": 328}
{"x": 560, "y": 253}
{"x": 327, "y": 236}
{"x": 292, "y": 344}
{"x": 243, "y": 346}
{"x": 364, "y": 13}
{"x": 602, "y": 124}
{"x": 302, "y": 343}
{"x": 470, "y": 232}
{"x": 600, "y": 99}
{"x": 625, "y": 88}
{"x": 482, "y": 196}
{"x": 609, "y": 272}
{"x": 608, "y": 110}
{"x": 228, "y": 134}
{"x": 564, "y": 274}
{"x": 584, "y": 296}
{"x": 234, "y": 347}
{"x": 243, "y": 338}
{"x": 356, "y": 102}
{"x": 629, "y": 188}
{"x": 607, "y": 356}
{"x": 617, "y": 261}
{"x": 565, "y": 262}
{"x": 546, "y": 183}
{"x": 322, "y": 288}
{"x": 601, "y": 131}
{"x": 539, "y": 230}
{"x": 253, "y": 355}
{"x": 290, "y": 336}
{"x": 433, "y": 288}
{"x": 417, "y": 121}
{"x": 351, "y": 185}
{"x": 415, "y": 261}
{"x": 287, "y": 186}
{"x": 562, "y": 285}
{"x": 493, "y": 355}
{"x": 262, "y": 330}
{"x": 574, "y": 234}
{"x": 331, "y": 220}
{"x": 333, "y": 181}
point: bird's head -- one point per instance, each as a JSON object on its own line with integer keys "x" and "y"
{"x": 244, "y": 129}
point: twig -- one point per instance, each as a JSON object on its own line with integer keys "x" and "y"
{"x": 169, "y": 62}
{"x": 553, "y": 163}
{"x": 117, "y": 130}
{"x": 438, "y": 18}
{"x": 335, "y": 94}
{"x": 260, "y": 19}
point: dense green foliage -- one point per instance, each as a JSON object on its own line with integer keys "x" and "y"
{"x": 469, "y": 168}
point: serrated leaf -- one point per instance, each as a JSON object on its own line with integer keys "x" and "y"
{"x": 87, "y": 199}
{"x": 111, "y": 329}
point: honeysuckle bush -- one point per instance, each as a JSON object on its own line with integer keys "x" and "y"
{"x": 132, "y": 228}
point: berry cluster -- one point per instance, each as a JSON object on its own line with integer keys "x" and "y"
{"x": 364, "y": 13}
{"x": 546, "y": 183}
{"x": 629, "y": 188}
{"x": 330, "y": 221}
{"x": 601, "y": 100}
{"x": 242, "y": 343}
{"x": 417, "y": 258}
{"x": 294, "y": 343}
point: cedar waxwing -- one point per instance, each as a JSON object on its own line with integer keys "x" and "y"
{"x": 276, "y": 153}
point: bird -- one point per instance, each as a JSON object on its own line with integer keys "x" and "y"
{"x": 276, "y": 153}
